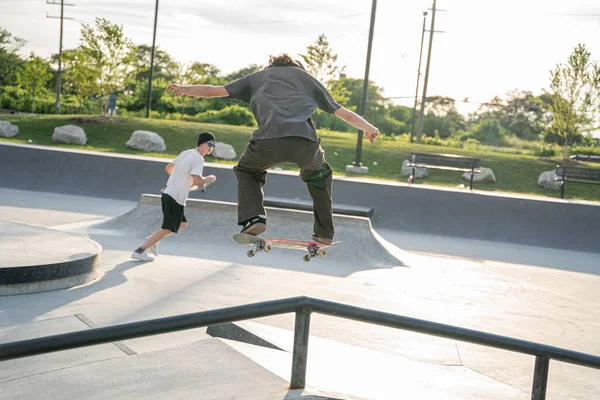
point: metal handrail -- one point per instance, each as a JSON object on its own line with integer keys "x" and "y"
{"x": 303, "y": 307}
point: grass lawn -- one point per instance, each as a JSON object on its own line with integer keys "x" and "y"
{"x": 514, "y": 173}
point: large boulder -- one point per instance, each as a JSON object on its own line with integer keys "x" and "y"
{"x": 146, "y": 141}
{"x": 420, "y": 172}
{"x": 224, "y": 151}
{"x": 69, "y": 134}
{"x": 486, "y": 175}
{"x": 548, "y": 180}
{"x": 8, "y": 130}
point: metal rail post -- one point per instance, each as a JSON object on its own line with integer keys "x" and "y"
{"x": 300, "y": 355}
{"x": 540, "y": 377}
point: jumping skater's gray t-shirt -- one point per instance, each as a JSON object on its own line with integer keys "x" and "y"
{"x": 282, "y": 100}
{"x": 187, "y": 163}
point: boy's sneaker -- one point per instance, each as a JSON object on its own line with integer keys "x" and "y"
{"x": 322, "y": 240}
{"x": 254, "y": 226}
{"x": 141, "y": 256}
{"x": 154, "y": 249}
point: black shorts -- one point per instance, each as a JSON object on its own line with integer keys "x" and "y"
{"x": 173, "y": 214}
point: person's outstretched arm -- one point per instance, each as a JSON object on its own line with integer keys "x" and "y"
{"x": 204, "y": 91}
{"x": 358, "y": 122}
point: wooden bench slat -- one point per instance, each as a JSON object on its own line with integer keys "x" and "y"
{"x": 448, "y": 160}
{"x": 576, "y": 175}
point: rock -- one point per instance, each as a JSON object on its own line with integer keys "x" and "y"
{"x": 224, "y": 151}
{"x": 486, "y": 175}
{"x": 420, "y": 172}
{"x": 547, "y": 180}
{"x": 146, "y": 141}
{"x": 69, "y": 134}
{"x": 8, "y": 130}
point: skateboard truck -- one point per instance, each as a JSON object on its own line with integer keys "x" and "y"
{"x": 258, "y": 247}
{"x": 314, "y": 251}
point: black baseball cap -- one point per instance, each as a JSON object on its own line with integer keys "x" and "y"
{"x": 205, "y": 137}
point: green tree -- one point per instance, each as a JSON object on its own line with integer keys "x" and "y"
{"x": 240, "y": 73}
{"x": 194, "y": 74}
{"x": 109, "y": 52}
{"x": 79, "y": 75}
{"x": 203, "y": 74}
{"x": 442, "y": 117}
{"x": 33, "y": 76}
{"x": 164, "y": 66}
{"x": 575, "y": 95}
{"x": 488, "y": 131}
{"x": 523, "y": 114}
{"x": 321, "y": 61}
{"x": 354, "y": 87}
{"x": 10, "y": 62}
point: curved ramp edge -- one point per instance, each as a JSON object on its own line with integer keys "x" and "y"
{"x": 214, "y": 222}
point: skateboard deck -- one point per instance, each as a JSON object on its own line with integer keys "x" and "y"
{"x": 313, "y": 248}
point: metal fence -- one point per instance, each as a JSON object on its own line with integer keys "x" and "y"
{"x": 303, "y": 307}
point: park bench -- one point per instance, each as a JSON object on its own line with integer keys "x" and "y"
{"x": 443, "y": 161}
{"x": 585, "y": 157}
{"x": 577, "y": 175}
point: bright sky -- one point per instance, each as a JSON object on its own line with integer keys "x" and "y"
{"x": 488, "y": 47}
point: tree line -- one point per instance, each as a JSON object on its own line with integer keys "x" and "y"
{"x": 107, "y": 62}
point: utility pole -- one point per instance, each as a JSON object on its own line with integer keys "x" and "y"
{"x": 149, "y": 103}
{"x": 414, "y": 115}
{"x": 357, "y": 165}
{"x": 424, "y": 97}
{"x": 59, "y": 75}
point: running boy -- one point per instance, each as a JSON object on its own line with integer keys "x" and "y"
{"x": 185, "y": 174}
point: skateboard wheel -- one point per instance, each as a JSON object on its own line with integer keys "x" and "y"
{"x": 322, "y": 253}
{"x": 250, "y": 253}
{"x": 306, "y": 258}
{"x": 267, "y": 248}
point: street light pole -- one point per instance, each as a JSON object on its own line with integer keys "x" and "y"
{"x": 152, "y": 63}
{"x": 414, "y": 115}
{"x": 363, "y": 104}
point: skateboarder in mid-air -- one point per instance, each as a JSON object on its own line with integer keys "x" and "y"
{"x": 283, "y": 97}
{"x": 185, "y": 174}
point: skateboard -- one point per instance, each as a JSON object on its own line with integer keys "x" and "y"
{"x": 314, "y": 249}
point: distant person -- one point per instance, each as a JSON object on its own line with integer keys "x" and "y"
{"x": 185, "y": 174}
{"x": 111, "y": 105}
{"x": 282, "y": 97}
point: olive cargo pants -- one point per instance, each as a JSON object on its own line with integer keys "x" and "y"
{"x": 261, "y": 155}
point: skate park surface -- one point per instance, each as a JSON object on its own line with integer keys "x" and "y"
{"x": 545, "y": 294}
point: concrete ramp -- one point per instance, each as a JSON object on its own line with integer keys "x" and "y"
{"x": 214, "y": 222}
{"x": 354, "y": 371}
{"x": 207, "y": 369}
{"x": 31, "y": 367}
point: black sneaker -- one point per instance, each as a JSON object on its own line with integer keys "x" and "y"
{"x": 254, "y": 226}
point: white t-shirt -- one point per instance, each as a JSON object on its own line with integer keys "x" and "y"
{"x": 187, "y": 163}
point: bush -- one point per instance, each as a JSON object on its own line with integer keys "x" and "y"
{"x": 592, "y": 151}
{"x": 545, "y": 151}
{"x": 232, "y": 115}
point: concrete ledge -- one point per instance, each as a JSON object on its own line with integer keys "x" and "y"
{"x": 36, "y": 259}
{"x": 357, "y": 170}
{"x": 306, "y": 205}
